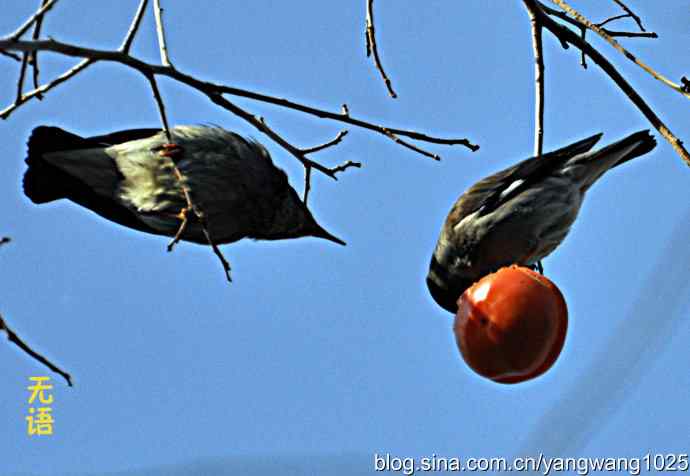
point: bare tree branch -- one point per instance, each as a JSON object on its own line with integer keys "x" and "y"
{"x": 211, "y": 89}
{"x": 11, "y": 55}
{"x": 20, "y": 79}
{"x": 565, "y": 34}
{"x": 600, "y": 31}
{"x": 170, "y": 150}
{"x": 261, "y": 125}
{"x": 14, "y": 338}
{"x": 370, "y": 34}
{"x": 613, "y": 18}
{"x": 630, "y": 14}
{"x": 134, "y": 27}
{"x": 35, "y": 18}
{"x": 336, "y": 140}
{"x": 162, "y": 45}
{"x": 630, "y": 34}
{"x": 82, "y": 65}
{"x": 161, "y": 106}
{"x": 307, "y": 170}
{"x": 33, "y": 58}
{"x": 539, "y": 83}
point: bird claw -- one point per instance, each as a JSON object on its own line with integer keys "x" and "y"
{"x": 169, "y": 150}
{"x": 538, "y": 267}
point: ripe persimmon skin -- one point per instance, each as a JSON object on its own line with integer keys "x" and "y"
{"x": 511, "y": 325}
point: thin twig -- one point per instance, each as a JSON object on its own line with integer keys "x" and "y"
{"x": 162, "y": 45}
{"x": 372, "y": 48}
{"x": 307, "y": 183}
{"x": 134, "y": 27}
{"x": 330, "y": 143}
{"x": 5, "y": 113}
{"x": 565, "y": 34}
{"x": 395, "y": 138}
{"x": 11, "y": 55}
{"x": 614, "y": 18}
{"x": 308, "y": 167}
{"x": 14, "y": 338}
{"x": 211, "y": 89}
{"x": 161, "y": 106}
{"x": 630, "y": 13}
{"x": 261, "y": 125}
{"x": 22, "y": 74}
{"x": 191, "y": 206}
{"x": 583, "y": 56}
{"x": 539, "y": 83}
{"x": 214, "y": 247}
{"x": 33, "y": 58}
{"x": 630, "y": 34}
{"x": 584, "y": 21}
{"x": 34, "y": 18}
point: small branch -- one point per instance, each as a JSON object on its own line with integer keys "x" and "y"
{"x": 328, "y": 144}
{"x": 308, "y": 167}
{"x": 565, "y": 34}
{"x": 214, "y": 247}
{"x": 14, "y": 338}
{"x": 391, "y": 134}
{"x": 212, "y": 90}
{"x": 583, "y": 57}
{"x": 20, "y": 80}
{"x": 134, "y": 27}
{"x": 630, "y": 14}
{"x": 82, "y": 65}
{"x": 33, "y": 58}
{"x": 162, "y": 45}
{"x": 307, "y": 183}
{"x": 584, "y": 21}
{"x": 372, "y": 48}
{"x": 539, "y": 83}
{"x": 35, "y": 18}
{"x": 261, "y": 125}
{"x": 161, "y": 106}
{"x": 344, "y": 166}
{"x": 630, "y": 34}
{"x": 11, "y": 55}
{"x": 614, "y": 18}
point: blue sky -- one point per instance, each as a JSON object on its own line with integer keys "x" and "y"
{"x": 324, "y": 355}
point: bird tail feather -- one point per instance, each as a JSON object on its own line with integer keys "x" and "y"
{"x": 44, "y": 182}
{"x": 590, "y": 166}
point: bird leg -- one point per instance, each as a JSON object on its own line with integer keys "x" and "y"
{"x": 538, "y": 267}
{"x": 183, "y": 226}
{"x": 173, "y": 152}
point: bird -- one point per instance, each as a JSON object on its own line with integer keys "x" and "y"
{"x": 520, "y": 214}
{"x": 129, "y": 177}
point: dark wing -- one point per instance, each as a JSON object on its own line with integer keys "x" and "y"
{"x": 120, "y": 137}
{"x": 490, "y": 192}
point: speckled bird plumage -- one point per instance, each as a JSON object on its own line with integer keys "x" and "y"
{"x": 521, "y": 214}
{"x": 123, "y": 177}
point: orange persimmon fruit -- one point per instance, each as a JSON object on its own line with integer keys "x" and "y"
{"x": 511, "y": 325}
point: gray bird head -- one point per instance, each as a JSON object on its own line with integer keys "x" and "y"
{"x": 444, "y": 289}
{"x": 292, "y": 219}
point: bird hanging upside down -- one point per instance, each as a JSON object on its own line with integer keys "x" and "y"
{"x": 521, "y": 214}
{"x": 129, "y": 177}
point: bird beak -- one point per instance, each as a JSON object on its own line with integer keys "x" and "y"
{"x": 319, "y": 232}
